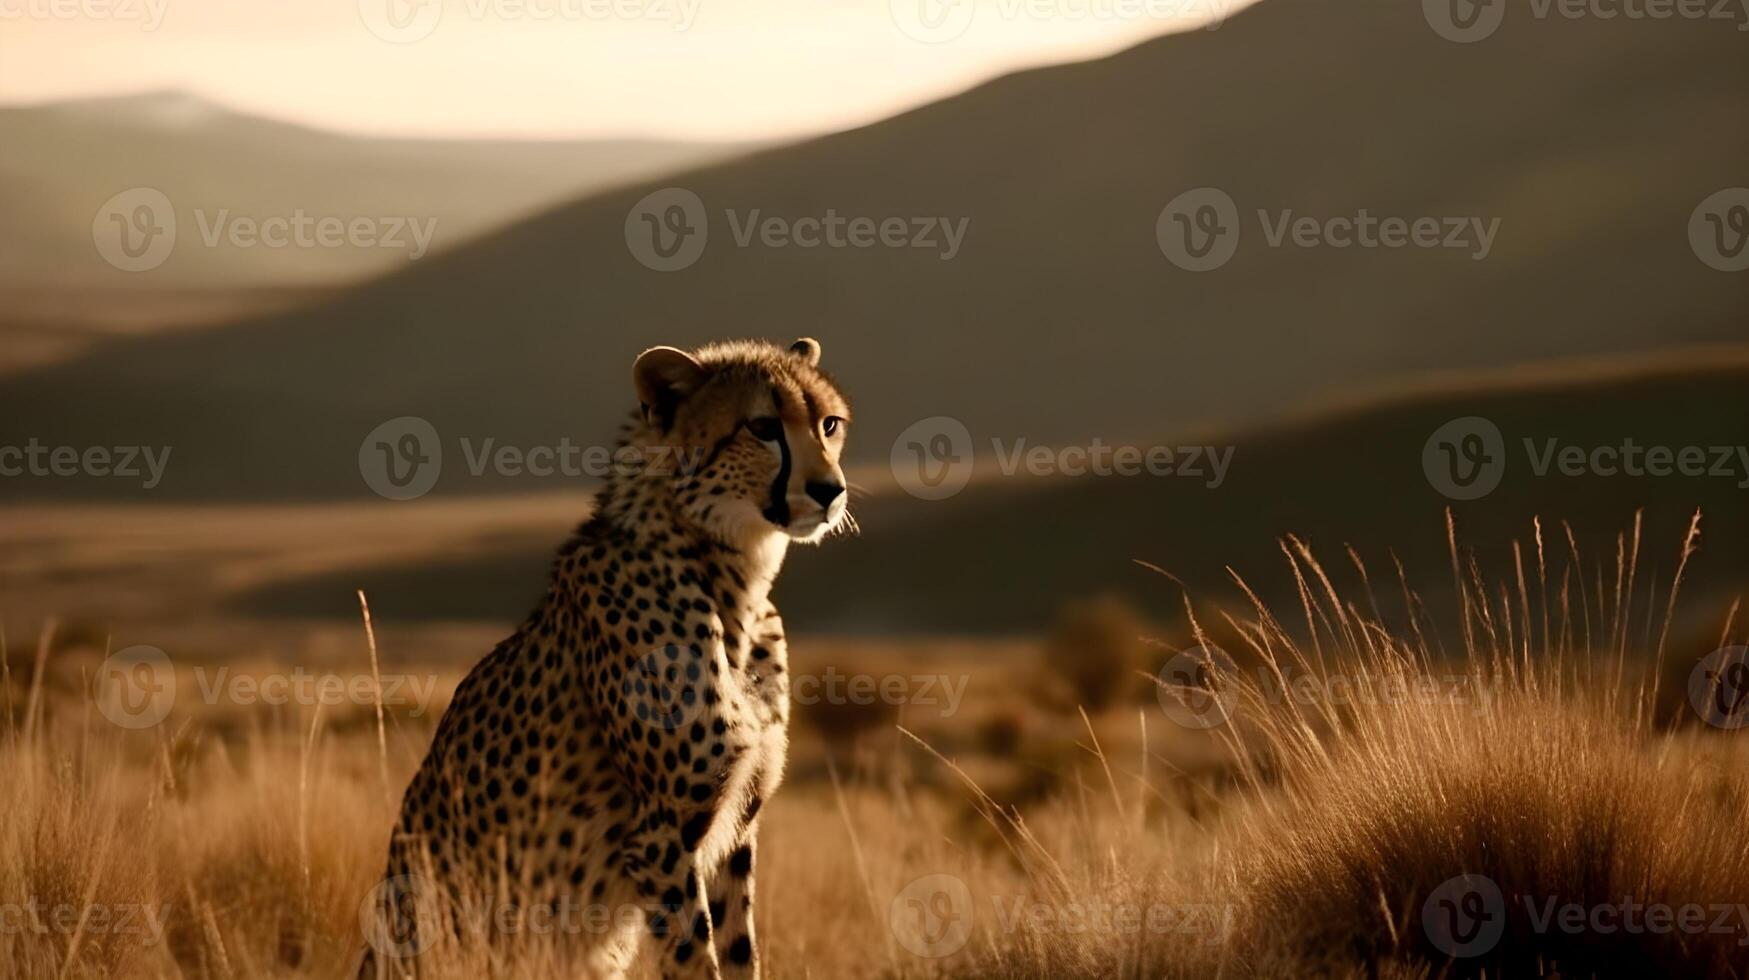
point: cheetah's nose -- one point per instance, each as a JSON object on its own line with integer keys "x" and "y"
{"x": 824, "y": 493}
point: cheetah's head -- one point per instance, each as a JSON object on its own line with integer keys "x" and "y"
{"x": 758, "y": 431}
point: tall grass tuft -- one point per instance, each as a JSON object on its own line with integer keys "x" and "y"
{"x": 1383, "y": 782}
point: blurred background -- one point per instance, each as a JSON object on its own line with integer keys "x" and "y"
{"x": 1351, "y": 266}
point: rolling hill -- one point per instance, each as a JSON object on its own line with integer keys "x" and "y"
{"x": 1059, "y": 318}
{"x": 65, "y": 159}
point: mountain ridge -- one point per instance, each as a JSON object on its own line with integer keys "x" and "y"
{"x": 1061, "y": 174}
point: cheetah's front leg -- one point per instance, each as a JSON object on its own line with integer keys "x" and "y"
{"x": 669, "y": 880}
{"x": 732, "y": 908}
{"x": 731, "y": 886}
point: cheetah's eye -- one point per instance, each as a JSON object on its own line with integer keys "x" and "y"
{"x": 831, "y": 425}
{"x": 765, "y": 428}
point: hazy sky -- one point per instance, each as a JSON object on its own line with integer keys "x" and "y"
{"x": 731, "y": 69}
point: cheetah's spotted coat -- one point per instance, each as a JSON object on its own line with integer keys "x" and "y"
{"x": 616, "y": 751}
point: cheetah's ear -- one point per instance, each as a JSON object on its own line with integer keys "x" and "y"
{"x": 663, "y": 376}
{"x": 808, "y": 349}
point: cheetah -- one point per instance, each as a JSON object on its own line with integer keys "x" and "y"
{"x": 614, "y": 753}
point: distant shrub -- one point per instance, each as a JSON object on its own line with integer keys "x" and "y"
{"x": 840, "y": 722}
{"x": 1000, "y": 734}
{"x": 1095, "y": 647}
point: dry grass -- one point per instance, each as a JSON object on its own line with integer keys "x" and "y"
{"x": 245, "y": 848}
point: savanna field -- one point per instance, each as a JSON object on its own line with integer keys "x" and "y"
{"x": 1317, "y": 789}
{"x": 1259, "y": 488}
